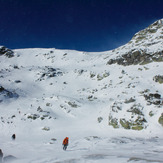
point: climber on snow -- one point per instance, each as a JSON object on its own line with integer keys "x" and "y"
{"x": 65, "y": 143}
{"x": 13, "y": 137}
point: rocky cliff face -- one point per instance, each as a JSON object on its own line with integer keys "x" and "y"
{"x": 146, "y": 46}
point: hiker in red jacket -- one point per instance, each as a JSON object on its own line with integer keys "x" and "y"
{"x": 65, "y": 143}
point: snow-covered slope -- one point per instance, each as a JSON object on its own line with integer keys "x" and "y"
{"x": 106, "y": 102}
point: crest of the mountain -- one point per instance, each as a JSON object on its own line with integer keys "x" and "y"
{"x": 146, "y": 46}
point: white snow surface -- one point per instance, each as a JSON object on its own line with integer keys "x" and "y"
{"x": 71, "y": 101}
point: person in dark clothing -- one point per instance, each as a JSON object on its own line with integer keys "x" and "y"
{"x": 65, "y": 143}
{"x": 1, "y": 156}
{"x": 13, "y": 137}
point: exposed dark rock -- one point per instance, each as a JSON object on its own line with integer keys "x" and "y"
{"x": 73, "y": 104}
{"x": 158, "y": 78}
{"x": 39, "y": 109}
{"x": 153, "y": 98}
{"x": 125, "y": 124}
{"x": 151, "y": 114}
{"x": 46, "y": 128}
{"x": 116, "y": 107}
{"x": 113, "y": 122}
{"x": 17, "y": 81}
{"x": 16, "y": 67}
{"x": 155, "y": 95}
{"x": 7, "y": 52}
{"x": 8, "y": 94}
{"x": 137, "y": 57}
{"x": 1, "y": 156}
{"x": 49, "y": 72}
{"x": 160, "y": 120}
{"x": 99, "y": 119}
{"x": 135, "y": 110}
{"x": 136, "y": 120}
{"x": 130, "y": 100}
{"x": 1, "y": 89}
{"x": 111, "y": 61}
{"x": 33, "y": 116}
{"x": 137, "y": 124}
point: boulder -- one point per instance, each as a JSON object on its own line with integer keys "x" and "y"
{"x": 158, "y": 78}
{"x": 5, "y": 51}
{"x": 160, "y": 120}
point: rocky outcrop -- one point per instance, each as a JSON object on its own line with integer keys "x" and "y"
{"x": 135, "y": 116}
{"x": 160, "y": 120}
{"x": 50, "y": 72}
{"x": 153, "y": 98}
{"x": 4, "y": 93}
{"x": 145, "y": 47}
{"x": 5, "y": 51}
{"x": 135, "y": 57}
{"x": 158, "y": 78}
{"x": 1, "y": 89}
{"x": 136, "y": 120}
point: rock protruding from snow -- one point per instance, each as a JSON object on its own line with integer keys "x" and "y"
{"x": 6, "y": 94}
{"x": 145, "y": 47}
{"x": 5, "y": 51}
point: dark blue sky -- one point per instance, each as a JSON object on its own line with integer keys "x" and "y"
{"x": 85, "y": 25}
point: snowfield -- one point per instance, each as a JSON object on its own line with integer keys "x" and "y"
{"x": 111, "y": 113}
